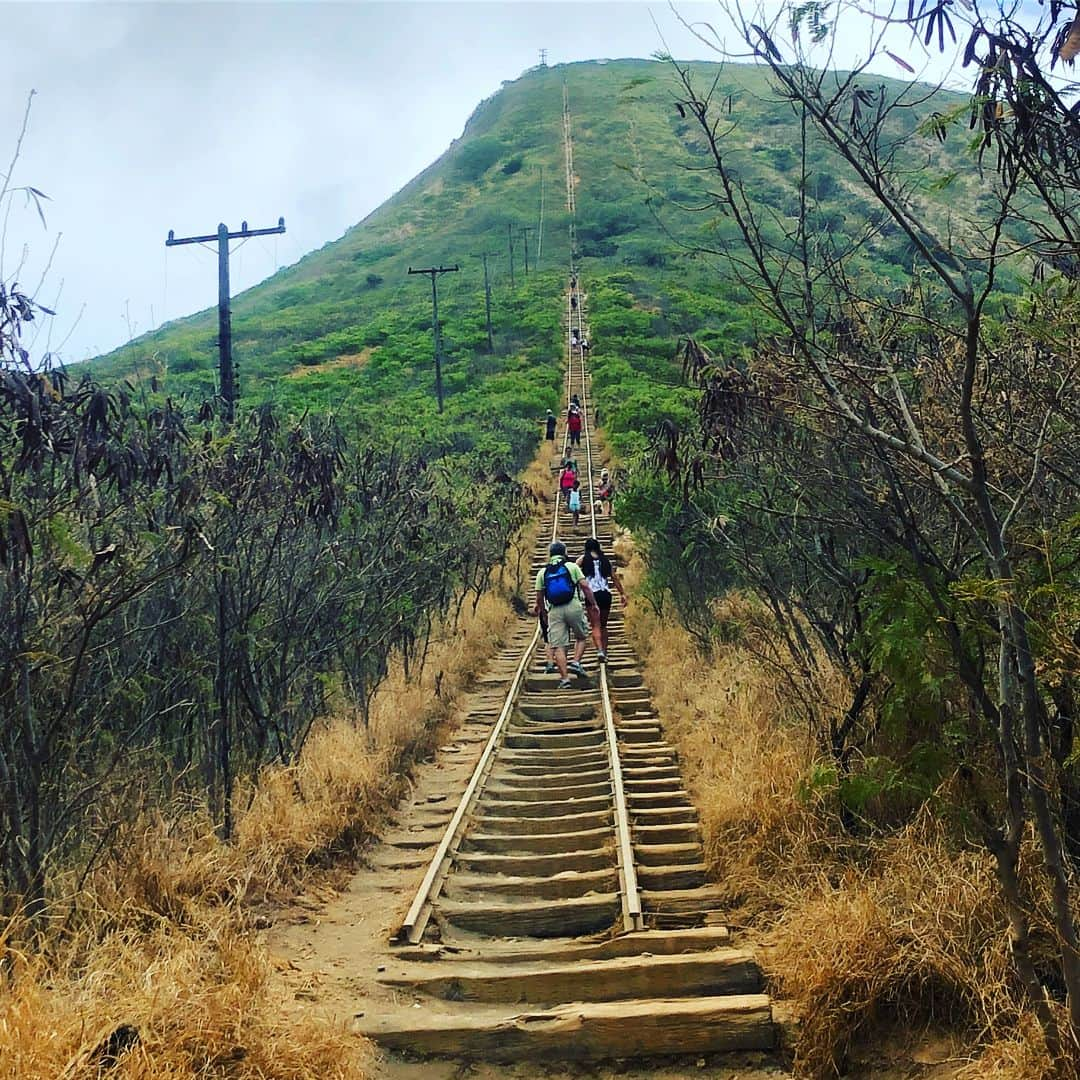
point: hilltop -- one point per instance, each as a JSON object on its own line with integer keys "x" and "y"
{"x": 346, "y": 328}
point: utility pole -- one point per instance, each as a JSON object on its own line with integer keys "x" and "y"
{"x": 227, "y": 373}
{"x": 525, "y": 230}
{"x": 510, "y": 245}
{"x": 433, "y": 272}
{"x": 487, "y": 298}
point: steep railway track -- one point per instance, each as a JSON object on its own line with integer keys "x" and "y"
{"x": 570, "y": 876}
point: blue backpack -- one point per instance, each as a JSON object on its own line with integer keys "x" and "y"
{"x": 559, "y": 587}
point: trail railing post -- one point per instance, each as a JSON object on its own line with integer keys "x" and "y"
{"x": 226, "y": 368}
{"x": 433, "y": 272}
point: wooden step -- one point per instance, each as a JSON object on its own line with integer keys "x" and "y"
{"x": 667, "y": 834}
{"x": 676, "y": 876}
{"x": 545, "y": 793}
{"x": 585, "y": 840}
{"x": 583, "y": 1031}
{"x": 538, "y": 865}
{"x": 528, "y": 826}
{"x": 651, "y": 942}
{"x": 721, "y": 971}
{"x": 562, "y": 886}
{"x": 666, "y": 854}
{"x": 583, "y": 741}
{"x": 549, "y": 918}
{"x": 683, "y": 901}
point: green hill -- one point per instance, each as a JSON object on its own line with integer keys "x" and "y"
{"x": 346, "y": 329}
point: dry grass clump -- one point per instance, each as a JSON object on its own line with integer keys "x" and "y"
{"x": 913, "y": 935}
{"x": 1020, "y": 1057}
{"x": 167, "y": 1003}
{"x": 859, "y": 933}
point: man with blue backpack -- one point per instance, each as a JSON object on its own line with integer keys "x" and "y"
{"x": 559, "y": 588}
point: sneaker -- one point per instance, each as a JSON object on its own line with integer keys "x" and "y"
{"x": 576, "y": 668}
{"x": 565, "y": 684}
{"x": 601, "y": 656}
{"x": 550, "y": 669}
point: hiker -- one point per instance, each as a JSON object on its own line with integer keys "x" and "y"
{"x": 584, "y": 344}
{"x": 575, "y": 401}
{"x": 600, "y": 575}
{"x": 551, "y": 423}
{"x": 573, "y": 425}
{"x": 573, "y": 302}
{"x": 574, "y": 501}
{"x": 567, "y": 479}
{"x": 575, "y": 341}
{"x": 606, "y": 491}
{"x": 559, "y": 588}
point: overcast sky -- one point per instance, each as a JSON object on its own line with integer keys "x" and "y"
{"x": 151, "y": 116}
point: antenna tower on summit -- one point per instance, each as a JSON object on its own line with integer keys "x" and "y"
{"x": 543, "y": 57}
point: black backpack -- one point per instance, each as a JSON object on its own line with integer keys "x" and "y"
{"x": 559, "y": 587}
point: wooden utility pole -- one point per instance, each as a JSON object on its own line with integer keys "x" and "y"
{"x": 510, "y": 245}
{"x": 433, "y": 272}
{"x": 487, "y": 298}
{"x": 226, "y": 370}
{"x": 525, "y": 230}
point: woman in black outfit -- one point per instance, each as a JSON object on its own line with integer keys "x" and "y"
{"x": 600, "y": 575}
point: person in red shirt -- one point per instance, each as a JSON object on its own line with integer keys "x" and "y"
{"x": 566, "y": 481}
{"x": 573, "y": 425}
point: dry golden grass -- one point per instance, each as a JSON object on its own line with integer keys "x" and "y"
{"x": 163, "y": 935}
{"x": 904, "y": 928}
{"x": 348, "y": 360}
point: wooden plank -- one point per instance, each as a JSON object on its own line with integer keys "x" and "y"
{"x": 652, "y": 942}
{"x": 585, "y": 840}
{"x": 538, "y": 865}
{"x": 549, "y": 918}
{"x": 517, "y": 825}
{"x": 584, "y": 741}
{"x": 666, "y": 854}
{"x": 700, "y": 974}
{"x": 690, "y": 875}
{"x": 584, "y": 1032}
{"x": 564, "y": 885}
{"x": 543, "y": 793}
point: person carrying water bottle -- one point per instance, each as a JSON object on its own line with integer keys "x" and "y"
{"x": 559, "y": 588}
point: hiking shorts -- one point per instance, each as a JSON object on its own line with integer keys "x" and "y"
{"x": 567, "y": 623}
